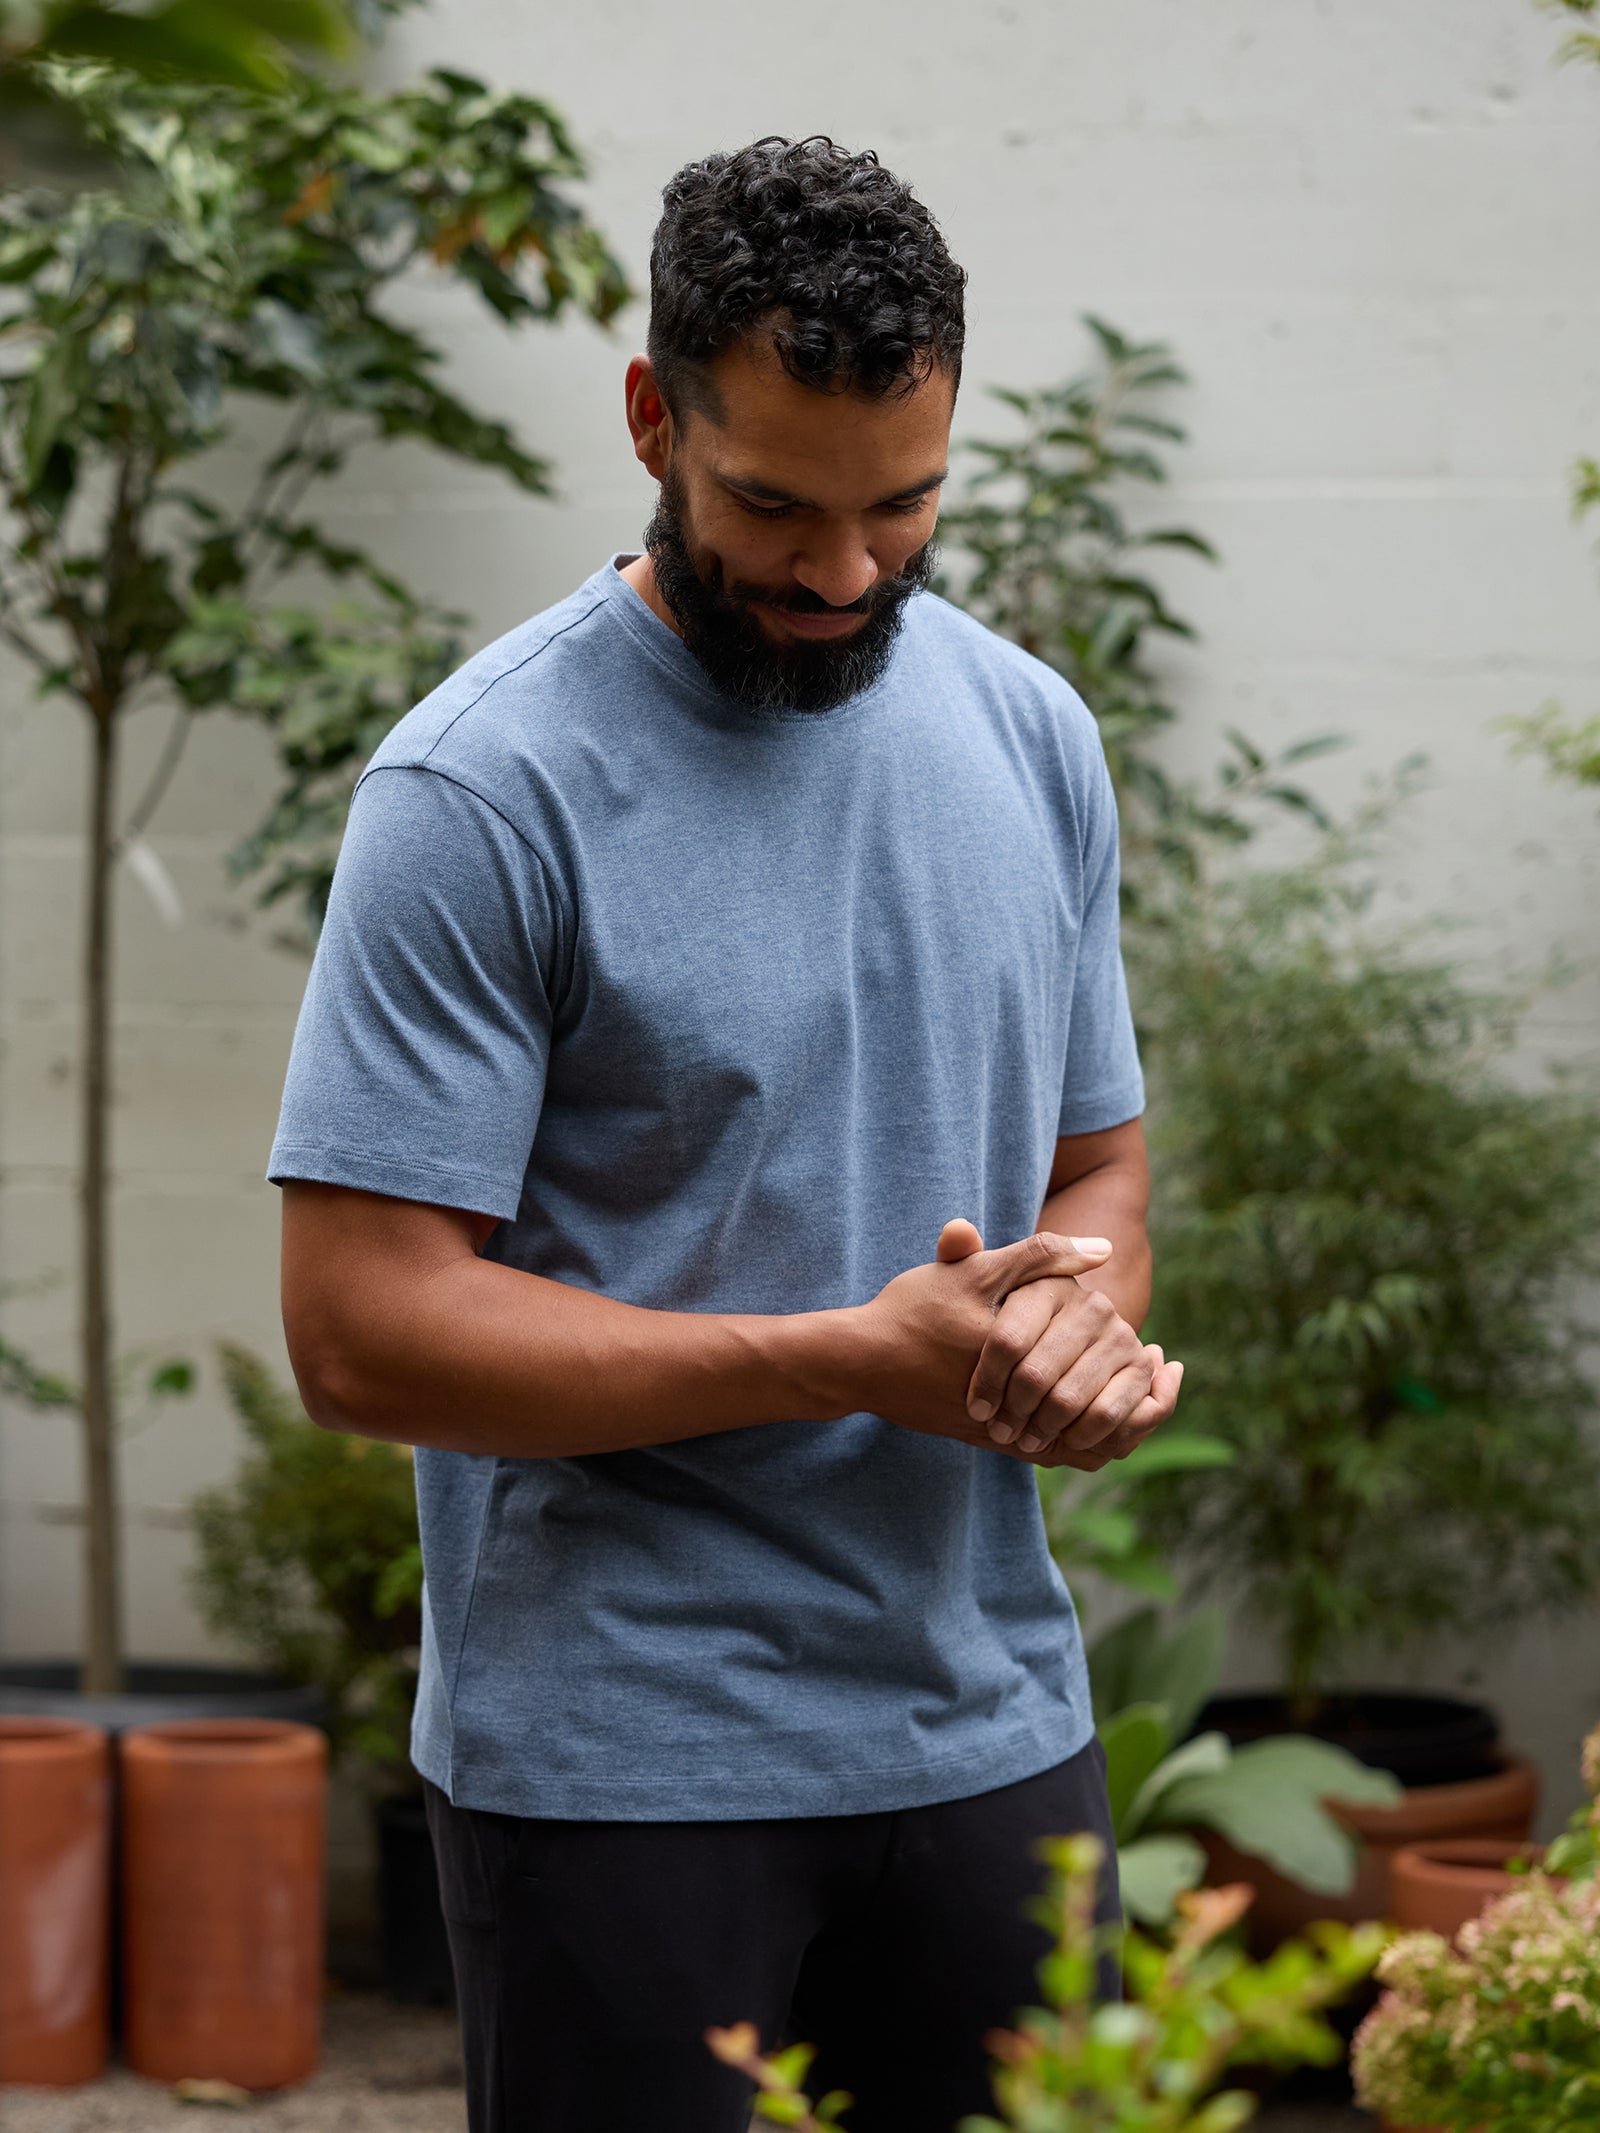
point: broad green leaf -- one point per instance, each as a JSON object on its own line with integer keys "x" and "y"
{"x": 1182, "y": 1452}
{"x": 1200, "y": 1757}
{"x": 1134, "y": 1741}
{"x": 1153, "y": 1871}
{"x": 1268, "y": 1802}
{"x": 1115, "y": 1657}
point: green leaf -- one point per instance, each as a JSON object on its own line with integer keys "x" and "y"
{"x": 1134, "y": 1740}
{"x": 1268, "y": 1802}
{"x": 1114, "y": 1659}
{"x": 173, "y": 1379}
{"x": 1153, "y": 1871}
{"x": 1203, "y": 1756}
{"x": 1140, "y": 1663}
{"x": 1184, "y": 1452}
{"x": 52, "y": 398}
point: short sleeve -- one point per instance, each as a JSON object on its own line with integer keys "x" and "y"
{"x": 419, "y": 1059}
{"x": 1103, "y": 1085}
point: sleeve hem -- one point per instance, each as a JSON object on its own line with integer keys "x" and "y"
{"x": 399, "y": 1178}
{"x": 1098, "y": 1114}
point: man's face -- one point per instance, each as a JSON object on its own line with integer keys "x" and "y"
{"x": 793, "y": 526}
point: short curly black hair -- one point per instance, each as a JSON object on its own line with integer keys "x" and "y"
{"x": 825, "y": 252}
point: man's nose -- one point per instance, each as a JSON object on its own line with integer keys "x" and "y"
{"x": 838, "y": 569}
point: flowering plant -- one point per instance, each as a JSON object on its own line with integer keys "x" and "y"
{"x": 1503, "y": 2029}
{"x": 1149, "y": 2064}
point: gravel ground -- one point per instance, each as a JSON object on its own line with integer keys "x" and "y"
{"x": 386, "y": 2069}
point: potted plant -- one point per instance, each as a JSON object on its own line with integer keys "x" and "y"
{"x": 1165, "y": 1781}
{"x": 1194, "y": 2008}
{"x": 1436, "y": 1887}
{"x": 309, "y": 1560}
{"x": 238, "y": 246}
{"x": 1499, "y": 2029}
{"x": 1369, "y": 1247}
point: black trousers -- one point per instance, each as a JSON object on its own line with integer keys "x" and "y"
{"x": 591, "y": 1956}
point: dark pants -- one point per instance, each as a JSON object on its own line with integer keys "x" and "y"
{"x": 591, "y": 1956}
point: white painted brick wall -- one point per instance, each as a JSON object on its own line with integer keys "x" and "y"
{"x": 1369, "y": 231}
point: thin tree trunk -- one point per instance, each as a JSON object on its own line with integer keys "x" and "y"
{"x": 102, "y": 1660}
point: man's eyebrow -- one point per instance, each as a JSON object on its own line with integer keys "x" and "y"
{"x": 763, "y": 492}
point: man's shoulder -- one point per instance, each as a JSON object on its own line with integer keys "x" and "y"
{"x": 963, "y": 651}
{"x": 498, "y": 700}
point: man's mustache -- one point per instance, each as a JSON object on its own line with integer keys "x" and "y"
{"x": 800, "y": 600}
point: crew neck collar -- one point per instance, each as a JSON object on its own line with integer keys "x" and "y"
{"x": 668, "y": 649}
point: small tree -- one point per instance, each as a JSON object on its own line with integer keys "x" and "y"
{"x": 1369, "y": 1249}
{"x": 243, "y": 256}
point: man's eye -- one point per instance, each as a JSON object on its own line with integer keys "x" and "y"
{"x": 904, "y": 510}
{"x": 763, "y": 510}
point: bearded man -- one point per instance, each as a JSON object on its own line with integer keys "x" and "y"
{"x": 701, "y": 955}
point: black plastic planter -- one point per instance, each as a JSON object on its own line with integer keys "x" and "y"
{"x": 1422, "y": 1740}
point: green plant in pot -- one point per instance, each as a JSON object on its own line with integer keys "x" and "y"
{"x": 1165, "y": 1781}
{"x": 1501, "y": 2027}
{"x": 1150, "y": 1680}
{"x": 309, "y": 1561}
{"x": 1370, "y": 1249}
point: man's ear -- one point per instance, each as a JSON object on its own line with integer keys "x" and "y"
{"x": 649, "y": 418}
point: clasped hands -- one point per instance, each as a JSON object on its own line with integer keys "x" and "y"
{"x": 1061, "y": 1378}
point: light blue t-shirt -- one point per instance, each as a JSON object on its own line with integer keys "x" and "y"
{"x": 717, "y": 1010}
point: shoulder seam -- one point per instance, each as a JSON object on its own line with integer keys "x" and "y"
{"x": 566, "y": 916}
{"x": 495, "y": 679}
{"x": 449, "y": 777}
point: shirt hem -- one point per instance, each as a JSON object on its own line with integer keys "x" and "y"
{"x": 496, "y": 1789}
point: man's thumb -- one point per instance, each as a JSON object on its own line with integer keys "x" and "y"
{"x": 1043, "y": 1255}
{"x": 957, "y": 1240}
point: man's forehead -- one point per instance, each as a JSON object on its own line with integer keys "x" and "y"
{"x": 772, "y": 433}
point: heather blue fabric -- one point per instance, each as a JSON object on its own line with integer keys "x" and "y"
{"x": 718, "y": 1011}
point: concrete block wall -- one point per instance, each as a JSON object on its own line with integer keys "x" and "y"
{"x": 1368, "y": 233}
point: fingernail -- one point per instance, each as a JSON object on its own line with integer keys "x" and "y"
{"x": 1030, "y": 1444}
{"x": 1001, "y": 1432}
{"x": 981, "y": 1410}
{"x": 1090, "y": 1244}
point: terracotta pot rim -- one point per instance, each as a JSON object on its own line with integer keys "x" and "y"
{"x": 223, "y": 1740}
{"x": 41, "y": 1740}
{"x": 1517, "y": 1777}
{"x": 1469, "y": 1862}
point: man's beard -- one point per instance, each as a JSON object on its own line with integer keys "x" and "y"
{"x": 738, "y": 656}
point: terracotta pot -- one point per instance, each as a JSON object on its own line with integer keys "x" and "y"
{"x": 224, "y": 1833}
{"x": 55, "y": 1900}
{"x": 1501, "y": 1807}
{"x": 1438, "y": 1887}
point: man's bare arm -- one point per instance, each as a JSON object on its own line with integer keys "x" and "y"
{"x": 398, "y": 1329}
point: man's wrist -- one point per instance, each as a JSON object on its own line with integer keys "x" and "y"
{"x": 823, "y": 1364}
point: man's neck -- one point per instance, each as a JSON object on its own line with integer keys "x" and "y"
{"x": 641, "y": 575}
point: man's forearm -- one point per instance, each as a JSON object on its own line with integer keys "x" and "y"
{"x": 485, "y": 1358}
{"x": 1109, "y": 1202}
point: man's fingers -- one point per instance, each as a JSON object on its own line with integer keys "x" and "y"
{"x": 1020, "y": 1324}
{"x": 959, "y": 1239}
{"x": 1038, "y": 1257}
{"x": 1080, "y": 1424}
{"x": 1151, "y": 1412}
